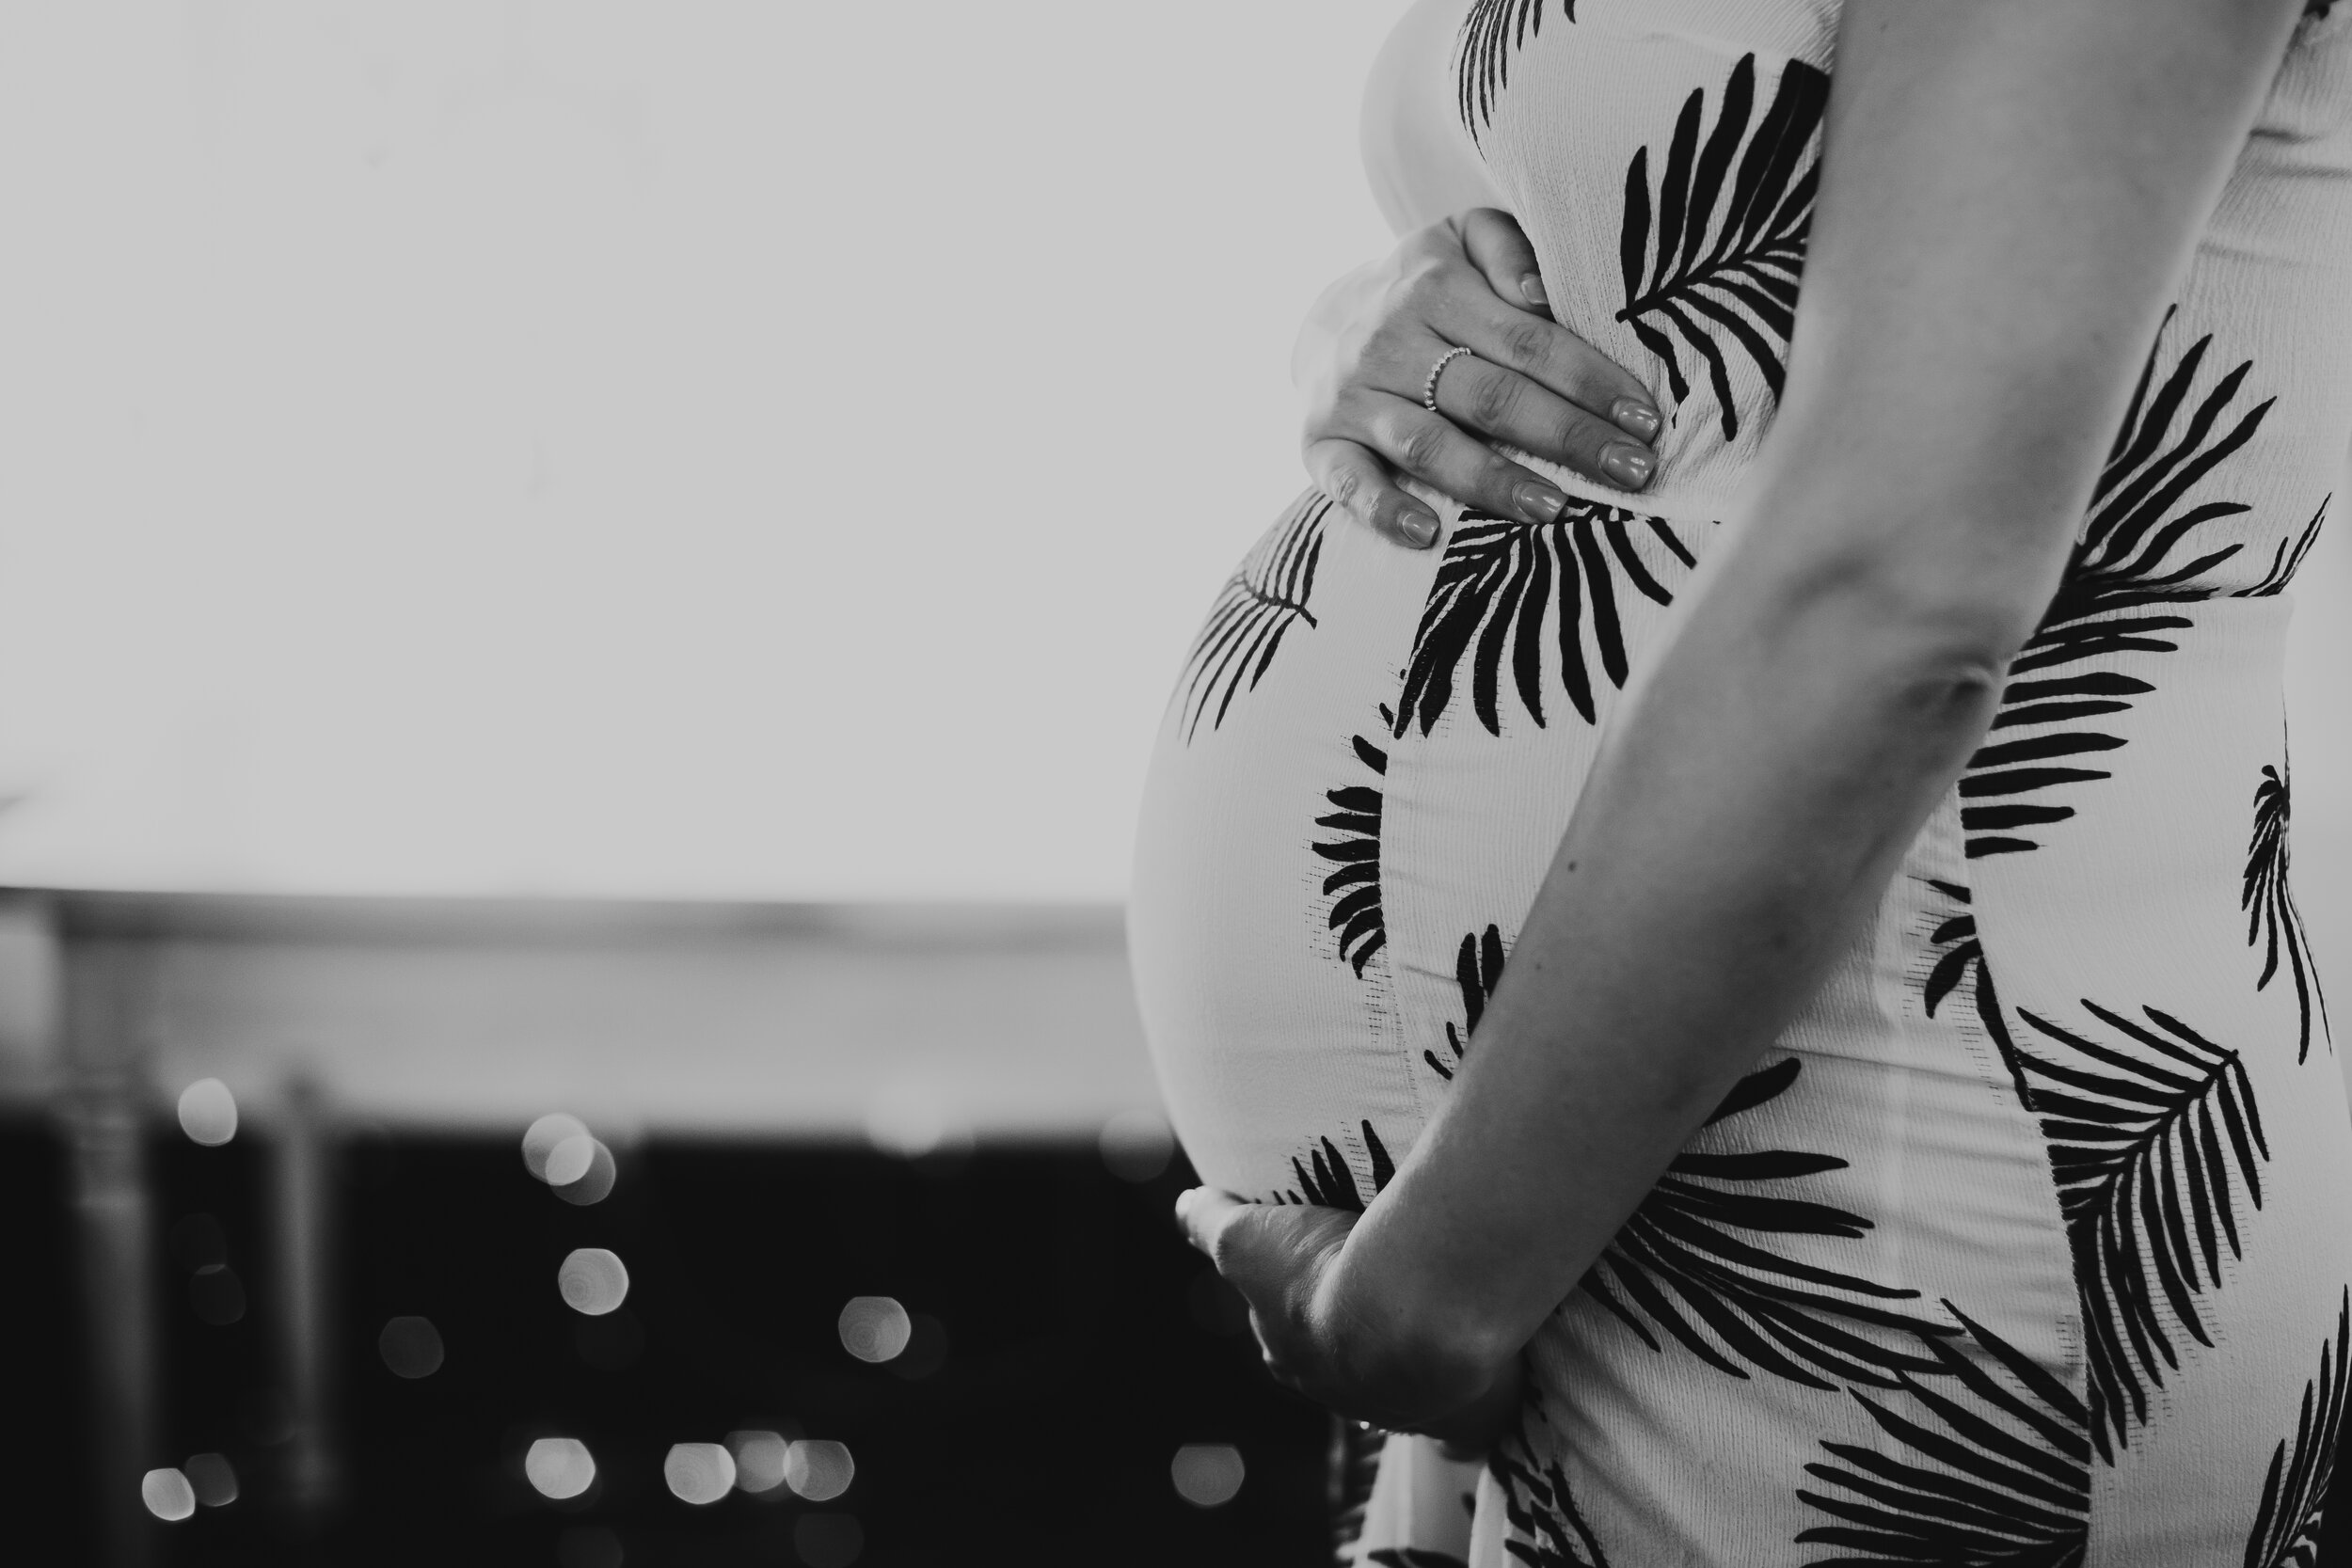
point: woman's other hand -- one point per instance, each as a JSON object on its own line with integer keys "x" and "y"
{"x": 1363, "y": 360}
{"x": 1280, "y": 1256}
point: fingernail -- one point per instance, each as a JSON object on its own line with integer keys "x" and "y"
{"x": 1634, "y": 416}
{"x": 1625, "y": 462}
{"x": 1531, "y": 288}
{"x": 1537, "y": 502}
{"x": 1420, "y": 527}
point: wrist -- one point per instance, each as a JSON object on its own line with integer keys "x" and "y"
{"x": 1418, "y": 1354}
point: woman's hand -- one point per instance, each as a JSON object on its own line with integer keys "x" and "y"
{"x": 1282, "y": 1259}
{"x": 1363, "y": 360}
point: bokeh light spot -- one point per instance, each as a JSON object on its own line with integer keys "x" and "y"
{"x": 167, "y": 1495}
{"x": 760, "y": 1460}
{"x": 874, "y": 1328}
{"x": 594, "y": 1185}
{"x": 559, "y": 1467}
{"x": 593, "y": 1280}
{"x": 818, "y": 1470}
{"x": 211, "y": 1478}
{"x": 915, "y": 1120}
{"x": 217, "y": 1294}
{"x": 568, "y": 1161}
{"x": 828, "y": 1540}
{"x": 1207, "y": 1475}
{"x": 1136, "y": 1145}
{"x": 699, "y": 1473}
{"x": 410, "y": 1346}
{"x": 208, "y": 1112}
{"x": 541, "y": 1138}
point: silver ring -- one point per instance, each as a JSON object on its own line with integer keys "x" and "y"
{"x": 1429, "y": 390}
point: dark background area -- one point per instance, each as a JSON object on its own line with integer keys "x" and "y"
{"x": 1084, "y": 1343}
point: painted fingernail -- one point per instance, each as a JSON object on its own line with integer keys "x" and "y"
{"x": 1418, "y": 527}
{"x": 1539, "y": 503}
{"x": 1628, "y": 464}
{"x": 1636, "y": 416}
{"x": 1532, "y": 290}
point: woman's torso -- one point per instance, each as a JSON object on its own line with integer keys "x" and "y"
{"x": 2034, "y": 1229}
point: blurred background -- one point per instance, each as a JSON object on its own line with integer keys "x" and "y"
{"x": 585, "y": 591}
{"x": 621, "y": 562}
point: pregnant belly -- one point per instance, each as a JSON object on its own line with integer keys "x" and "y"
{"x": 1369, "y": 758}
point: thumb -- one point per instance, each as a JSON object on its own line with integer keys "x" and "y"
{"x": 1498, "y": 247}
{"x": 1205, "y": 1215}
{"x": 1264, "y": 1249}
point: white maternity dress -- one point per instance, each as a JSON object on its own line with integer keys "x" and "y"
{"x": 2029, "y": 1242}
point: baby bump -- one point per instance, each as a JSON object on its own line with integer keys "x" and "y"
{"x": 1369, "y": 757}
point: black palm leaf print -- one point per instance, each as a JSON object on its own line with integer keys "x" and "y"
{"x": 1981, "y": 1470}
{"x": 1490, "y": 34}
{"x": 2287, "y": 559}
{"x": 1713, "y": 258}
{"x": 2151, "y": 1149}
{"x": 1326, "y": 1178}
{"x": 1258, "y": 606}
{"x": 1477, "y": 970}
{"x": 1692, "y": 1262}
{"x": 1962, "y": 951}
{"x": 1354, "y": 884}
{"x": 2138, "y": 562}
{"x": 2295, "y": 1493}
{"x": 1543, "y": 1515}
{"x": 1500, "y": 582}
{"x": 2271, "y": 917}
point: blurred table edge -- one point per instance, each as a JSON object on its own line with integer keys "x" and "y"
{"x": 649, "y": 1016}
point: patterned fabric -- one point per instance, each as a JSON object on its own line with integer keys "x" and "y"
{"x": 2031, "y": 1241}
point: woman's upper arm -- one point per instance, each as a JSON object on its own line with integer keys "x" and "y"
{"x": 2010, "y": 191}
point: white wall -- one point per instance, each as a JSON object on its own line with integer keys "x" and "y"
{"x": 600, "y": 446}
{"x": 712, "y": 447}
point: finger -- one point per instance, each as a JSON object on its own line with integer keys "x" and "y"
{"x": 1204, "y": 1213}
{"x": 1263, "y": 1249}
{"x": 1549, "y": 354}
{"x": 1360, "y": 485}
{"x": 1434, "y": 450}
{"x": 1498, "y": 247}
{"x": 1500, "y": 403}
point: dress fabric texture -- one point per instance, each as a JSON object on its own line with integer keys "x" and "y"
{"x": 2031, "y": 1241}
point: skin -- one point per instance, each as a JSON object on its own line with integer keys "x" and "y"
{"x": 1362, "y": 364}
{"x": 2011, "y": 191}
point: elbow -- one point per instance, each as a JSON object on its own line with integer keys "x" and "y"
{"x": 1936, "y": 636}
{"x": 1944, "y": 661}
{"x": 1943, "y": 577}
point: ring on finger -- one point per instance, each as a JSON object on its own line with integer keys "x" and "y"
{"x": 1429, "y": 388}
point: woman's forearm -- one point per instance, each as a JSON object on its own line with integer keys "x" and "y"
{"x": 1736, "y": 831}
